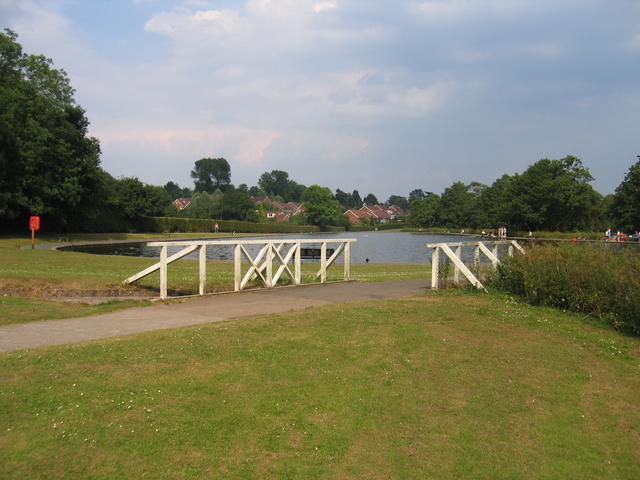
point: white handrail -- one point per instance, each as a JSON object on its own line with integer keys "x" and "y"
{"x": 261, "y": 266}
{"x": 456, "y": 258}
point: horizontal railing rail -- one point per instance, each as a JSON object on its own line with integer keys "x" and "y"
{"x": 279, "y": 252}
{"x": 453, "y": 250}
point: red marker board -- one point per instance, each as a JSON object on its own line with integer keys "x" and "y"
{"x": 34, "y": 223}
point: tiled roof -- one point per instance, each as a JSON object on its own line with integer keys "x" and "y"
{"x": 181, "y": 203}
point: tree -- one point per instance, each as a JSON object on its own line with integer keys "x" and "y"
{"x": 555, "y": 195}
{"x": 277, "y": 183}
{"x": 238, "y": 205}
{"x": 496, "y": 202}
{"x": 417, "y": 194}
{"x": 257, "y": 192}
{"x": 134, "y": 199}
{"x": 48, "y": 164}
{"x": 625, "y": 205}
{"x": 202, "y": 206}
{"x": 175, "y": 191}
{"x": 399, "y": 201}
{"x": 453, "y": 211}
{"x": 371, "y": 199}
{"x": 321, "y": 208}
{"x": 210, "y": 174}
{"x": 356, "y": 201}
{"x": 423, "y": 212}
{"x": 343, "y": 198}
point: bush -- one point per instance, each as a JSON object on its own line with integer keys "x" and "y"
{"x": 602, "y": 281}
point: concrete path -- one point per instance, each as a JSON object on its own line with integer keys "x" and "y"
{"x": 199, "y": 310}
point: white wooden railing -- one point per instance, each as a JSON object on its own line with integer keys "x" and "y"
{"x": 280, "y": 253}
{"x": 454, "y": 252}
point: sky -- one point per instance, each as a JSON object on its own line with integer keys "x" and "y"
{"x": 381, "y": 96}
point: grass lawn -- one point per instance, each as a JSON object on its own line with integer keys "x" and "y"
{"x": 30, "y": 276}
{"x": 445, "y": 385}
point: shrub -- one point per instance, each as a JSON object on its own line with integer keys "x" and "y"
{"x": 598, "y": 280}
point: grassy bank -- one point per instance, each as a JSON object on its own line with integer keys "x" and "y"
{"x": 32, "y": 276}
{"x": 438, "y": 386}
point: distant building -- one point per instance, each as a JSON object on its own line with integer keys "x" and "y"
{"x": 375, "y": 213}
{"x": 279, "y": 211}
{"x": 181, "y": 203}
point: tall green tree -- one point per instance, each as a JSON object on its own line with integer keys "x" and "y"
{"x": 417, "y": 194}
{"x": 134, "y": 198}
{"x": 202, "y": 205}
{"x": 175, "y": 191}
{"x": 49, "y": 166}
{"x": 238, "y": 205}
{"x": 453, "y": 210}
{"x": 399, "y": 201}
{"x": 343, "y": 198}
{"x": 424, "y": 211}
{"x": 210, "y": 174}
{"x": 371, "y": 199}
{"x": 321, "y": 208}
{"x": 496, "y": 202}
{"x": 356, "y": 200}
{"x": 278, "y": 184}
{"x": 625, "y": 205}
{"x": 555, "y": 195}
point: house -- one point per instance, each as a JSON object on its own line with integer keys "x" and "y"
{"x": 357, "y": 216}
{"x": 279, "y": 211}
{"x": 374, "y": 213}
{"x": 181, "y": 203}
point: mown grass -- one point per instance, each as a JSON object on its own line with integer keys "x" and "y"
{"x": 23, "y": 310}
{"x": 439, "y": 386}
{"x": 35, "y": 275}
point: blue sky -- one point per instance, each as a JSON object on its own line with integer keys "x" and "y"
{"x": 381, "y": 96}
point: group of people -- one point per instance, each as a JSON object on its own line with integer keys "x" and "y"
{"x": 502, "y": 233}
{"x": 619, "y": 236}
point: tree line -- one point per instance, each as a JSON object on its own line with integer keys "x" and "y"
{"x": 50, "y": 166}
{"x": 550, "y": 195}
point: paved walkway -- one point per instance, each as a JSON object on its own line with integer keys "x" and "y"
{"x": 199, "y": 310}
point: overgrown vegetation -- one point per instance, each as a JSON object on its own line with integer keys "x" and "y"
{"x": 602, "y": 281}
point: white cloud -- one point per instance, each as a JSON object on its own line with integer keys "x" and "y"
{"x": 416, "y": 101}
{"x": 324, "y": 6}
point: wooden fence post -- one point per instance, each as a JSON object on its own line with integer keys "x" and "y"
{"x": 476, "y": 258}
{"x": 297, "y": 265}
{"x": 323, "y": 262}
{"x": 202, "y": 269}
{"x": 456, "y": 270}
{"x": 163, "y": 273}
{"x": 347, "y": 260}
{"x": 237, "y": 269}
{"x": 269, "y": 263}
{"x": 435, "y": 265}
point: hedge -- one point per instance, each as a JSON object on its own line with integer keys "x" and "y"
{"x": 175, "y": 224}
{"x": 379, "y": 226}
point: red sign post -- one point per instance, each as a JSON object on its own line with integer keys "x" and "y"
{"x": 34, "y": 224}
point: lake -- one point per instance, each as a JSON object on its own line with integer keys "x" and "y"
{"x": 378, "y": 247}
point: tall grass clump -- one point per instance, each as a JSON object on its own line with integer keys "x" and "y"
{"x": 596, "y": 280}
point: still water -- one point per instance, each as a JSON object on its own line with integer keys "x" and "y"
{"x": 377, "y": 247}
